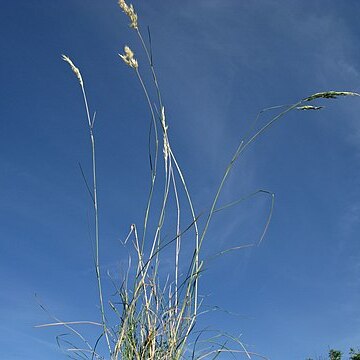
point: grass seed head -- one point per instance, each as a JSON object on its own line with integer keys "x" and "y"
{"x": 309, "y": 107}
{"x": 330, "y": 95}
{"x": 128, "y": 58}
{"x": 130, "y": 12}
{"x": 75, "y": 70}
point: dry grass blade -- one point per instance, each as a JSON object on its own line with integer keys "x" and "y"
{"x": 62, "y": 323}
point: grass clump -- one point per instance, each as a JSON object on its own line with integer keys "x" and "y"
{"x": 156, "y": 318}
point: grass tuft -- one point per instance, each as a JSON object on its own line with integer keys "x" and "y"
{"x": 156, "y": 318}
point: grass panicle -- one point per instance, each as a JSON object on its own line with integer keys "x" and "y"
{"x": 74, "y": 69}
{"x": 330, "y": 95}
{"x": 128, "y": 58}
{"x": 130, "y": 12}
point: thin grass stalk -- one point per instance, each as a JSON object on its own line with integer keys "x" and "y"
{"x": 150, "y": 61}
{"x": 178, "y": 241}
{"x": 232, "y": 351}
{"x": 156, "y": 241}
{"x": 152, "y": 68}
{"x": 157, "y": 238}
{"x": 194, "y": 219}
{"x": 178, "y": 168}
{"x": 160, "y": 223}
{"x": 76, "y": 71}
{"x": 153, "y": 174}
{"x": 96, "y": 210}
{"x": 139, "y": 269}
{"x": 149, "y": 57}
{"x": 241, "y": 147}
{"x": 166, "y": 192}
{"x": 67, "y": 325}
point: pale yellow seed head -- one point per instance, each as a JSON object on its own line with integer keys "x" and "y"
{"x": 128, "y": 52}
{"x": 128, "y": 58}
{"x": 74, "y": 69}
{"x": 130, "y": 12}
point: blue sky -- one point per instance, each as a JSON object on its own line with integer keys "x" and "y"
{"x": 219, "y": 63}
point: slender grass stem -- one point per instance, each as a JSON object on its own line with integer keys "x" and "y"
{"x": 96, "y": 214}
{"x": 153, "y": 175}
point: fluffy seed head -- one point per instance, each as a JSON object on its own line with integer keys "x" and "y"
{"x": 128, "y": 58}
{"x": 130, "y": 12}
{"x": 74, "y": 69}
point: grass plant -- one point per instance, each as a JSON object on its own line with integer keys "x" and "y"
{"x": 156, "y": 319}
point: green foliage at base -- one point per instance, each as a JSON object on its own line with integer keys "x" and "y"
{"x": 337, "y": 355}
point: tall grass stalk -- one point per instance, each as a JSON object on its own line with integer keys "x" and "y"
{"x": 156, "y": 318}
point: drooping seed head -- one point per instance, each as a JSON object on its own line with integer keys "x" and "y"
{"x": 330, "y": 95}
